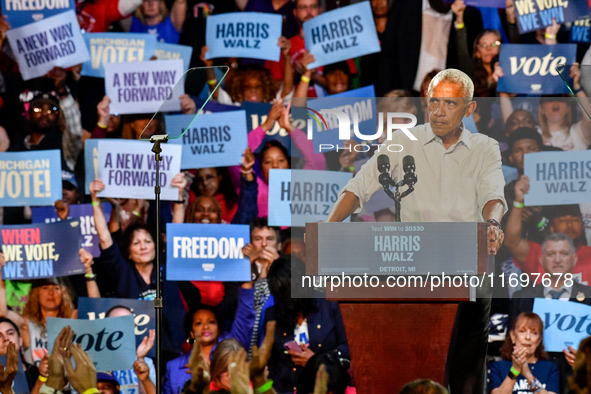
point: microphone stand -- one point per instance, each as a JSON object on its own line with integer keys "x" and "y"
{"x": 386, "y": 180}
{"x": 157, "y": 149}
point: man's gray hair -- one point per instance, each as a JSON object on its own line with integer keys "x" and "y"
{"x": 560, "y": 237}
{"x": 452, "y": 75}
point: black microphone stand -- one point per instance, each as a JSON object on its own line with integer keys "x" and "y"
{"x": 386, "y": 180}
{"x": 157, "y": 149}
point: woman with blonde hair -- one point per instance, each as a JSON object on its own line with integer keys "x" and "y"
{"x": 152, "y": 17}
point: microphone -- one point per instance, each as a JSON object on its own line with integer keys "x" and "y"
{"x": 384, "y": 164}
{"x": 408, "y": 165}
{"x": 384, "y": 168}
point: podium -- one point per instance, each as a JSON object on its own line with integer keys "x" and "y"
{"x": 398, "y": 334}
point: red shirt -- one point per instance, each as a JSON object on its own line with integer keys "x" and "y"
{"x": 532, "y": 264}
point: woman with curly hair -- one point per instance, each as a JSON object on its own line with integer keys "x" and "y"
{"x": 252, "y": 82}
{"x": 524, "y": 365}
{"x": 48, "y": 298}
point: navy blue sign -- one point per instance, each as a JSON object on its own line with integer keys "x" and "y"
{"x": 205, "y": 252}
{"x": 214, "y": 140}
{"x": 142, "y": 310}
{"x": 531, "y": 69}
{"x": 579, "y": 31}
{"x": 533, "y": 15}
{"x": 34, "y": 251}
{"x": 23, "y": 12}
{"x": 82, "y": 212}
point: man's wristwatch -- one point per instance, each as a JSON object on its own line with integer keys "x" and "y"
{"x": 494, "y": 222}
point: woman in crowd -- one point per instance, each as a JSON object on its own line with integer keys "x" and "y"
{"x": 580, "y": 381}
{"x": 220, "y": 359}
{"x": 47, "y": 298}
{"x": 314, "y": 324}
{"x": 524, "y": 363}
{"x": 252, "y": 83}
{"x": 273, "y": 155}
{"x": 216, "y": 183}
{"x": 152, "y": 17}
{"x": 205, "y": 325}
{"x": 556, "y": 118}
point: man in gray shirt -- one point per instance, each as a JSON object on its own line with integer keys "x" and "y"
{"x": 459, "y": 180}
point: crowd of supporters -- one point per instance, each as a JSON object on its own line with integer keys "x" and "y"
{"x": 227, "y": 323}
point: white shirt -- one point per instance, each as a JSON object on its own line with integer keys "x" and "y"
{"x": 453, "y": 185}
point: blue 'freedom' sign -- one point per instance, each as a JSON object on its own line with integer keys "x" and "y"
{"x": 341, "y": 34}
{"x": 243, "y": 34}
{"x": 205, "y": 252}
{"x": 213, "y": 140}
{"x": 533, "y": 15}
{"x": 558, "y": 178}
{"x": 36, "y": 251}
{"x": 532, "y": 69}
{"x": 22, "y": 12}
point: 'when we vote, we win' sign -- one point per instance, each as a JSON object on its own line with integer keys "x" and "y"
{"x": 35, "y": 251}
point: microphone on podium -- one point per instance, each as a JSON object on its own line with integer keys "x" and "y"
{"x": 408, "y": 165}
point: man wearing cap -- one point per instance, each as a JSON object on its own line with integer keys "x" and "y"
{"x": 69, "y": 188}
{"x": 565, "y": 219}
{"x": 106, "y": 383}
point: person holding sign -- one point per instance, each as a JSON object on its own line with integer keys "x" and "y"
{"x": 524, "y": 365}
{"x": 252, "y": 83}
{"x": 152, "y": 17}
{"x": 202, "y": 324}
{"x": 556, "y": 120}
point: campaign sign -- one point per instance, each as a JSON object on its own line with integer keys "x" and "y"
{"x": 142, "y": 310}
{"x": 109, "y": 342}
{"x": 52, "y": 42}
{"x": 243, "y": 34}
{"x": 579, "y": 31}
{"x": 205, "y": 252}
{"x": 565, "y": 323}
{"x": 359, "y": 101}
{"x": 214, "y": 140}
{"x": 256, "y": 115}
{"x": 537, "y": 14}
{"x": 297, "y": 197}
{"x": 128, "y": 169}
{"x": 143, "y": 87}
{"x": 22, "y": 12}
{"x": 485, "y": 3}
{"x": 531, "y": 69}
{"x": 341, "y": 34}
{"x": 30, "y": 178}
{"x": 34, "y": 251}
{"x": 90, "y": 162}
{"x": 82, "y": 212}
{"x": 166, "y": 51}
{"x": 558, "y": 178}
{"x": 116, "y": 48}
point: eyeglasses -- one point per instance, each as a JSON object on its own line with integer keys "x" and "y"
{"x": 493, "y": 45}
{"x": 308, "y": 7}
{"x": 50, "y": 111}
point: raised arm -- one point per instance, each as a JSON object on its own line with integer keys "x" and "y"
{"x": 304, "y": 84}
{"x": 178, "y": 14}
{"x": 211, "y": 78}
{"x": 465, "y": 60}
{"x": 91, "y": 286}
{"x": 13, "y": 316}
{"x": 178, "y": 212}
{"x": 99, "y": 216}
{"x": 285, "y": 46}
{"x": 247, "y": 200}
{"x": 575, "y": 74}
{"x": 518, "y": 246}
{"x": 245, "y": 317}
